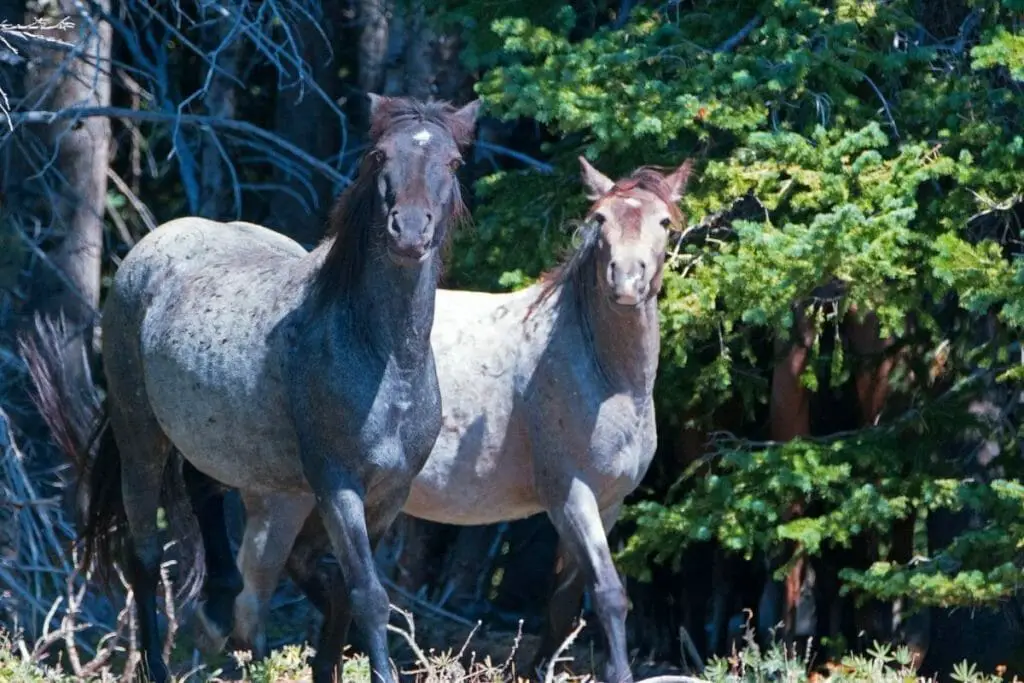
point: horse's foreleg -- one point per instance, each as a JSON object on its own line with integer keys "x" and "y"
{"x": 580, "y": 526}
{"x": 322, "y": 584}
{"x": 563, "y": 606}
{"x": 340, "y": 501}
{"x": 215, "y": 616}
{"x": 144, "y": 451}
{"x": 271, "y": 523}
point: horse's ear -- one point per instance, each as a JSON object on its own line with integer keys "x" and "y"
{"x": 462, "y": 122}
{"x": 377, "y": 102}
{"x": 677, "y": 180}
{"x": 597, "y": 184}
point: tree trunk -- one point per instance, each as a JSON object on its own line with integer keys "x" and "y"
{"x": 373, "y": 43}
{"x": 75, "y": 187}
{"x": 217, "y": 200}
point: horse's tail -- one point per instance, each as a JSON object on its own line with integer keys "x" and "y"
{"x": 77, "y": 417}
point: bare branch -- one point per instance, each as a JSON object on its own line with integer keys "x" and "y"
{"x": 549, "y": 675}
{"x": 730, "y": 43}
{"x": 75, "y": 113}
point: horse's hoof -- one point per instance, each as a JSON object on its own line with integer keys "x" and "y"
{"x": 614, "y": 676}
{"x": 154, "y": 671}
{"x": 210, "y": 639}
{"x": 325, "y": 674}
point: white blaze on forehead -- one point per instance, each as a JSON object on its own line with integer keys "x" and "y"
{"x": 422, "y": 137}
{"x": 635, "y": 203}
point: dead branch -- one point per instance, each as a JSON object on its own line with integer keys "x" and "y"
{"x": 77, "y": 113}
{"x": 410, "y": 638}
{"x": 33, "y": 32}
{"x": 740, "y": 35}
{"x": 556, "y": 658}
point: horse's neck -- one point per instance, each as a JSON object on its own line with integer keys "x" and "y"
{"x": 625, "y": 342}
{"x": 395, "y": 308}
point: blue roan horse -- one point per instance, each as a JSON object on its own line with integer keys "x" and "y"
{"x": 279, "y": 371}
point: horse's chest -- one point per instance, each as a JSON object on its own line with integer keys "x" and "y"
{"x": 410, "y": 410}
{"x": 622, "y": 442}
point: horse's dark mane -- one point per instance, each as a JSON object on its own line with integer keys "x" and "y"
{"x": 353, "y": 216}
{"x": 648, "y": 178}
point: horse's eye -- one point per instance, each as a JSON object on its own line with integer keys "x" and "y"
{"x": 378, "y": 156}
{"x": 455, "y": 164}
{"x": 666, "y": 223}
{"x": 598, "y": 218}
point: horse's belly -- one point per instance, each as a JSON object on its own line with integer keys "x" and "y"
{"x": 253, "y": 449}
{"x": 474, "y": 476}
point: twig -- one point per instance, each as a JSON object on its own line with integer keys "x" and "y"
{"x": 472, "y": 633}
{"x": 27, "y": 33}
{"x": 144, "y": 213}
{"x": 515, "y": 647}
{"x": 416, "y": 600}
{"x": 549, "y": 675}
{"x": 535, "y": 164}
{"x": 885, "y": 103}
{"x": 690, "y": 649}
{"x": 410, "y": 638}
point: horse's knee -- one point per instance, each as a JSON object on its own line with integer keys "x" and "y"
{"x": 611, "y": 601}
{"x": 370, "y": 602}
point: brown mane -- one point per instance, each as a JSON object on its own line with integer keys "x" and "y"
{"x": 645, "y": 178}
{"x": 353, "y": 216}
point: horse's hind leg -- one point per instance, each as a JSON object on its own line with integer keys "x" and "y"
{"x": 271, "y": 525}
{"x": 144, "y": 451}
{"x": 319, "y": 583}
{"x": 215, "y": 616}
{"x": 563, "y": 606}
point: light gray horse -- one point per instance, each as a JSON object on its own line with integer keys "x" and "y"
{"x": 304, "y": 376}
{"x": 547, "y": 405}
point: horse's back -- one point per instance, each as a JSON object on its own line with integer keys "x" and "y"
{"x": 203, "y": 304}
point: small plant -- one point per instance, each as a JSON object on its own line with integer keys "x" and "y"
{"x": 289, "y": 664}
{"x": 882, "y": 663}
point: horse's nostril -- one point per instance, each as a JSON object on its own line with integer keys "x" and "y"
{"x": 643, "y": 268}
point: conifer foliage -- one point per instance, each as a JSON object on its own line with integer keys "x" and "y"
{"x": 877, "y": 144}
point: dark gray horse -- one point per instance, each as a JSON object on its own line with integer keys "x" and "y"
{"x": 284, "y": 373}
{"x": 547, "y": 403}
